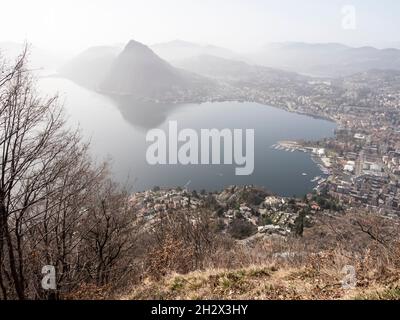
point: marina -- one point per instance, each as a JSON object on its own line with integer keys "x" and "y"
{"x": 317, "y": 156}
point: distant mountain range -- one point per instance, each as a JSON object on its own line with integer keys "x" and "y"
{"x": 177, "y": 50}
{"x": 326, "y": 60}
{"x": 138, "y": 71}
{"x": 319, "y": 59}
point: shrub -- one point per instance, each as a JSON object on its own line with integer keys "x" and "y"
{"x": 242, "y": 229}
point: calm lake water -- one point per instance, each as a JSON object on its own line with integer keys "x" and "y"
{"x": 117, "y": 131}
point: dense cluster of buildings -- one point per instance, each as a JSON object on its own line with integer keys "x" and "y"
{"x": 266, "y": 214}
{"x": 364, "y": 168}
{"x": 362, "y": 161}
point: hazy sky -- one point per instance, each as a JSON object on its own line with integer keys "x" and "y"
{"x": 243, "y": 25}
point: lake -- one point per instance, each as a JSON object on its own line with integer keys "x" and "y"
{"x": 117, "y": 130}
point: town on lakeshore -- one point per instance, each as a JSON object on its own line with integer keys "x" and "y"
{"x": 361, "y": 163}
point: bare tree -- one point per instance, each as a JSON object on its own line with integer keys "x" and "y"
{"x": 32, "y": 141}
{"x": 180, "y": 241}
{"x": 50, "y": 212}
{"x": 110, "y": 228}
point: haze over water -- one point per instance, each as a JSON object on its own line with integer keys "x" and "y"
{"x": 117, "y": 130}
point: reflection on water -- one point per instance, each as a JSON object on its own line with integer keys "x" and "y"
{"x": 144, "y": 115}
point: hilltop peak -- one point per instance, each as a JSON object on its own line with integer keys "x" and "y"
{"x": 135, "y": 45}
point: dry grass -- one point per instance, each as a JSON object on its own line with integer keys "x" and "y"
{"x": 297, "y": 269}
{"x": 316, "y": 280}
{"x": 272, "y": 268}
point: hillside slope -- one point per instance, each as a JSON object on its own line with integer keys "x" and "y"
{"x": 261, "y": 283}
{"x": 89, "y": 68}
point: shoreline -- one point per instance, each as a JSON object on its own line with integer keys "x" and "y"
{"x": 291, "y": 146}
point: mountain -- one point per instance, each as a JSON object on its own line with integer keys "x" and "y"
{"x": 135, "y": 71}
{"x": 233, "y": 70}
{"x": 91, "y": 66}
{"x": 177, "y": 50}
{"x": 329, "y": 59}
{"x": 139, "y": 72}
{"x": 216, "y": 67}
